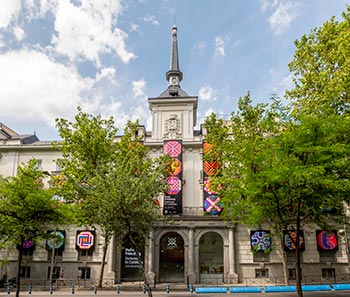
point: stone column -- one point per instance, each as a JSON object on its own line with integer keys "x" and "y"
{"x": 150, "y": 273}
{"x": 110, "y": 259}
{"x": 191, "y": 272}
{"x": 232, "y": 275}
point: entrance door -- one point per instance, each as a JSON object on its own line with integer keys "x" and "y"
{"x": 211, "y": 260}
{"x": 171, "y": 260}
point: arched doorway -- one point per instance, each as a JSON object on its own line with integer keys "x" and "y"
{"x": 171, "y": 260}
{"x": 211, "y": 258}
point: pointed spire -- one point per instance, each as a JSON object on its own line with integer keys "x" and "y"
{"x": 174, "y": 75}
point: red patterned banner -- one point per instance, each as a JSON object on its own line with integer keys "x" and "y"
{"x": 173, "y": 196}
{"x": 212, "y": 202}
{"x": 327, "y": 240}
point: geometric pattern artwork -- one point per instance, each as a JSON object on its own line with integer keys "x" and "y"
{"x": 213, "y": 204}
{"x": 289, "y": 240}
{"x": 172, "y": 241}
{"x": 210, "y": 168}
{"x": 208, "y": 187}
{"x": 173, "y": 196}
{"x": 327, "y": 240}
{"x": 173, "y": 148}
{"x": 174, "y": 184}
{"x": 57, "y": 241}
{"x": 260, "y": 240}
{"x": 85, "y": 240}
{"x": 27, "y": 244}
{"x": 175, "y": 167}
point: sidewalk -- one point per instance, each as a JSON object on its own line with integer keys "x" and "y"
{"x": 113, "y": 293}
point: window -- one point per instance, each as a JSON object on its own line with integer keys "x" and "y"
{"x": 260, "y": 273}
{"x": 25, "y": 272}
{"x": 27, "y": 253}
{"x": 84, "y": 272}
{"x": 292, "y": 275}
{"x": 328, "y": 273}
{"x": 84, "y": 254}
{"x": 56, "y": 272}
{"x": 58, "y": 254}
{"x": 39, "y": 164}
{"x": 327, "y": 256}
{"x": 291, "y": 256}
{"x": 261, "y": 256}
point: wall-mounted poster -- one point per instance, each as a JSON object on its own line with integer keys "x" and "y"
{"x": 85, "y": 240}
{"x": 57, "y": 240}
{"x": 212, "y": 202}
{"x": 290, "y": 239}
{"x": 260, "y": 240}
{"x": 327, "y": 240}
{"x": 173, "y": 196}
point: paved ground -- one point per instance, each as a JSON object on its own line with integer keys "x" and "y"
{"x": 110, "y": 293}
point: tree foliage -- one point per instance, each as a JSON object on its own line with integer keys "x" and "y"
{"x": 27, "y": 210}
{"x": 321, "y": 69}
{"x": 113, "y": 179}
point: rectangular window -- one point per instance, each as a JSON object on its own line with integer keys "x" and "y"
{"x": 28, "y": 253}
{"x": 292, "y": 275}
{"x": 84, "y": 255}
{"x": 291, "y": 257}
{"x": 261, "y": 273}
{"x": 39, "y": 164}
{"x": 84, "y": 272}
{"x": 25, "y": 272}
{"x": 260, "y": 256}
{"x": 328, "y": 273}
{"x": 327, "y": 256}
{"x": 56, "y": 272}
{"x": 58, "y": 254}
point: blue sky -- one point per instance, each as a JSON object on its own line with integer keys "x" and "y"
{"x": 109, "y": 56}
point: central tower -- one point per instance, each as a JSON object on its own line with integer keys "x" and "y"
{"x": 174, "y": 112}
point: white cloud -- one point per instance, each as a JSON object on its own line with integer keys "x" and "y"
{"x": 207, "y": 93}
{"x": 200, "y": 45}
{"x": 284, "y": 13}
{"x": 19, "y": 33}
{"x": 39, "y": 8}
{"x": 88, "y": 30}
{"x": 151, "y": 19}
{"x": 51, "y": 91}
{"x": 133, "y": 27}
{"x": 8, "y": 11}
{"x": 138, "y": 88}
{"x": 108, "y": 72}
{"x": 220, "y": 46}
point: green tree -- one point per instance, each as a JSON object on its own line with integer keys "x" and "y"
{"x": 27, "y": 210}
{"x": 118, "y": 187}
{"x": 284, "y": 172}
{"x": 321, "y": 69}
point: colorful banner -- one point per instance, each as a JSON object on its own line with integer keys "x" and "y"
{"x": 260, "y": 240}
{"x": 85, "y": 240}
{"x": 173, "y": 196}
{"x": 327, "y": 240}
{"x": 212, "y": 202}
{"x": 57, "y": 240}
{"x": 289, "y": 240}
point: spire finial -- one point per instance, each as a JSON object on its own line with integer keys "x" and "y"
{"x": 174, "y": 75}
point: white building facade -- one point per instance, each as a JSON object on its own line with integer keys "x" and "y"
{"x": 199, "y": 247}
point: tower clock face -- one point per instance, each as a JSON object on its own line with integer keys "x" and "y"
{"x": 174, "y": 80}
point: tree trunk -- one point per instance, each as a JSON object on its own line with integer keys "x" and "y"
{"x": 297, "y": 253}
{"x": 20, "y": 257}
{"x": 105, "y": 247}
{"x": 284, "y": 263}
{"x": 142, "y": 268}
{"x": 52, "y": 262}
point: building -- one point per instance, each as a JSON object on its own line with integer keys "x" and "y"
{"x": 199, "y": 247}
